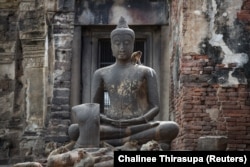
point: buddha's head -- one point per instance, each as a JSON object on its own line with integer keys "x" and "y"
{"x": 122, "y": 40}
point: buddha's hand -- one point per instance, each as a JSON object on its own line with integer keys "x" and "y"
{"x": 109, "y": 121}
{"x": 121, "y": 123}
{"x": 128, "y": 122}
{"x": 105, "y": 119}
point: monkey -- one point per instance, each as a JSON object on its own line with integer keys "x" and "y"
{"x": 84, "y": 159}
{"x": 52, "y": 146}
{"x": 136, "y": 57}
{"x": 70, "y": 145}
{"x": 151, "y": 146}
{"x": 128, "y": 146}
{"x": 59, "y": 150}
{"x": 49, "y": 147}
{"x": 30, "y": 164}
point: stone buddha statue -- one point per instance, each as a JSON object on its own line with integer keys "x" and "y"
{"x": 133, "y": 94}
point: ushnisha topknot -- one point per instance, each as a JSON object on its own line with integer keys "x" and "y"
{"x": 122, "y": 27}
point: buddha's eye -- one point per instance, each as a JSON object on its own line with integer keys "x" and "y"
{"x": 117, "y": 42}
{"x": 126, "y": 42}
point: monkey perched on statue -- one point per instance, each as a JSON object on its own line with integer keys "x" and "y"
{"x": 151, "y": 146}
{"x": 136, "y": 57}
{"x": 128, "y": 146}
{"x": 84, "y": 159}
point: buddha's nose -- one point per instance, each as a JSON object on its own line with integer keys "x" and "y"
{"x": 121, "y": 48}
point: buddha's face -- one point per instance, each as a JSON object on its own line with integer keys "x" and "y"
{"x": 122, "y": 46}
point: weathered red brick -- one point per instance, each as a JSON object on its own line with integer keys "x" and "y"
{"x": 188, "y": 115}
{"x": 197, "y": 89}
{"x": 197, "y": 69}
{"x": 230, "y": 106}
{"x": 187, "y": 106}
{"x": 236, "y": 128}
{"x": 243, "y": 137}
{"x": 208, "y": 128}
{"x": 193, "y": 127}
{"x": 204, "y": 57}
{"x": 231, "y": 119}
{"x": 189, "y": 64}
{"x": 200, "y": 114}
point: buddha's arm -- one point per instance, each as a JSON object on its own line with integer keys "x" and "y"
{"x": 97, "y": 88}
{"x": 152, "y": 91}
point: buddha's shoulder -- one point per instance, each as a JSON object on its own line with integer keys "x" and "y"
{"x": 145, "y": 69}
{"x": 104, "y": 70}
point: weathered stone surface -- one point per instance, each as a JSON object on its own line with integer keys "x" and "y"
{"x": 59, "y": 5}
{"x": 61, "y": 92}
{"x": 60, "y": 115}
{"x": 9, "y": 4}
{"x": 36, "y": 102}
{"x": 212, "y": 143}
{"x": 31, "y": 24}
{"x": 6, "y": 102}
{"x": 64, "y": 18}
{"x": 6, "y": 58}
{"x": 63, "y": 41}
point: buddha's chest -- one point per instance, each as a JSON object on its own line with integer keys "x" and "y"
{"x": 124, "y": 84}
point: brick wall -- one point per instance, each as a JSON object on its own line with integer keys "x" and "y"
{"x": 208, "y": 101}
{"x": 209, "y": 109}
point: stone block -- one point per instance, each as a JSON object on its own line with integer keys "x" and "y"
{"x": 63, "y": 29}
{"x": 61, "y": 75}
{"x": 60, "y": 92}
{"x": 59, "y": 5}
{"x": 65, "y": 5}
{"x": 6, "y": 106}
{"x": 27, "y": 6}
{"x": 50, "y": 5}
{"x": 62, "y": 84}
{"x": 66, "y": 66}
{"x": 9, "y": 4}
{"x": 60, "y": 100}
{"x": 63, "y": 55}
{"x": 60, "y": 115}
{"x": 212, "y": 143}
{"x": 63, "y": 41}
{"x": 64, "y": 18}
{"x": 30, "y": 62}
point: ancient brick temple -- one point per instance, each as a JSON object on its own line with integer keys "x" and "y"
{"x": 50, "y": 48}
